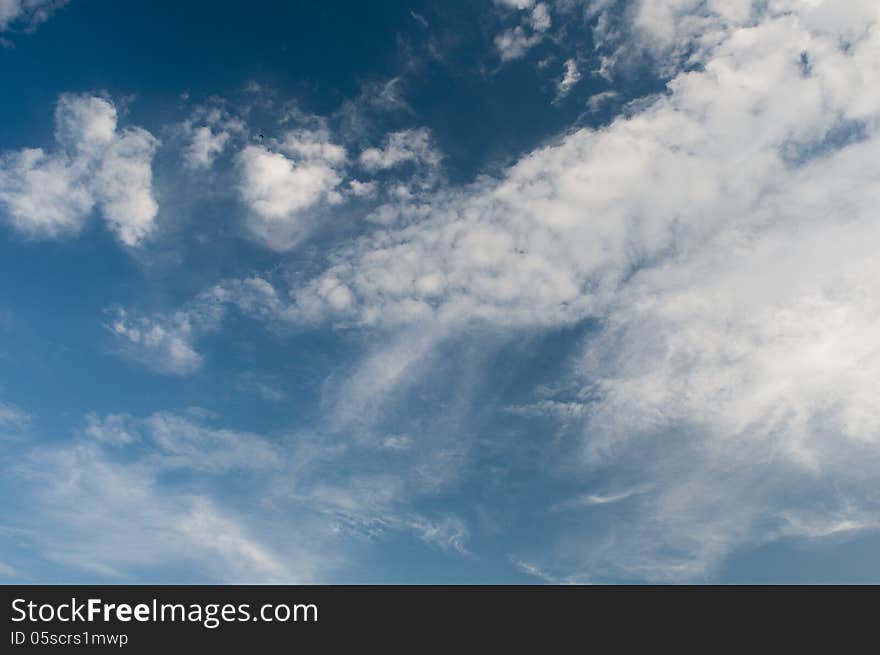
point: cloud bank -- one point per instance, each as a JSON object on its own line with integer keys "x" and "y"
{"x": 722, "y": 236}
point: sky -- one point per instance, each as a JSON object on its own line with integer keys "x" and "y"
{"x": 486, "y": 291}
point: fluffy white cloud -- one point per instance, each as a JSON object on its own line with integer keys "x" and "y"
{"x": 280, "y": 186}
{"x": 724, "y": 237}
{"x": 51, "y": 194}
{"x": 513, "y": 43}
{"x": 554, "y": 240}
{"x": 29, "y": 13}
{"x": 205, "y": 146}
{"x": 406, "y": 146}
{"x": 163, "y": 345}
{"x": 540, "y": 17}
{"x": 207, "y": 133}
{"x": 721, "y": 235}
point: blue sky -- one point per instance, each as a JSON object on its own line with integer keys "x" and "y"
{"x": 504, "y": 291}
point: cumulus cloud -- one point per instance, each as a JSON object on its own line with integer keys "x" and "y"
{"x": 27, "y": 13}
{"x": 514, "y": 42}
{"x": 406, "y": 146}
{"x": 288, "y": 184}
{"x": 208, "y": 132}
{"x": 280, "y": 185}
{"x": 96, "y": 167}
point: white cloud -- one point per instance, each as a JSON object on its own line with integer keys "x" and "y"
{"x": 204, "y": 146}
{"x": 361, "y": 189}
{"x": 280, "y": 186}
{"x": 28, "y": 13}
{"x": 571, "y": 77}
{"x": 597, "y": 101}
{"x": 165, "y": 343}
{"x": 516, "y": 4}
{"x": 112, "y": 429}
{"x": 540, "y": 17}
{"x": 181, "y": 442}
{"x": 724, "y": 237}
{"x": 118, "y": 520}
{"x": 449, "y": 533}
{"x": 114, "y": 504}
{"x": 208, "y": 132}
{"x": 135, "y": 498}
{"x": 514, "y": 42}
{"x": 406, "y": 146}
{"x": 52, "y": 194}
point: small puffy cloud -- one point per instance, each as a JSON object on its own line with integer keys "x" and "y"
{"x": 27, "y": 13}
{"x": 600, "y": 100}
{"x": 413, "y": 151}
{"x": 571, "y": 77}
{"x": 406, "y": 146}
{"x": 165, "y": 342}
{"x": 540, "y": 18}
{"x": 361, "y": 189}
{"x": 96, "y": 167}
{"x": 207, "y": 133}
{"x": 204, "y": 146}
{"x": 282, "y": 185}
{"x": 112, "y": 429}
{"x": 513, "y": 43}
